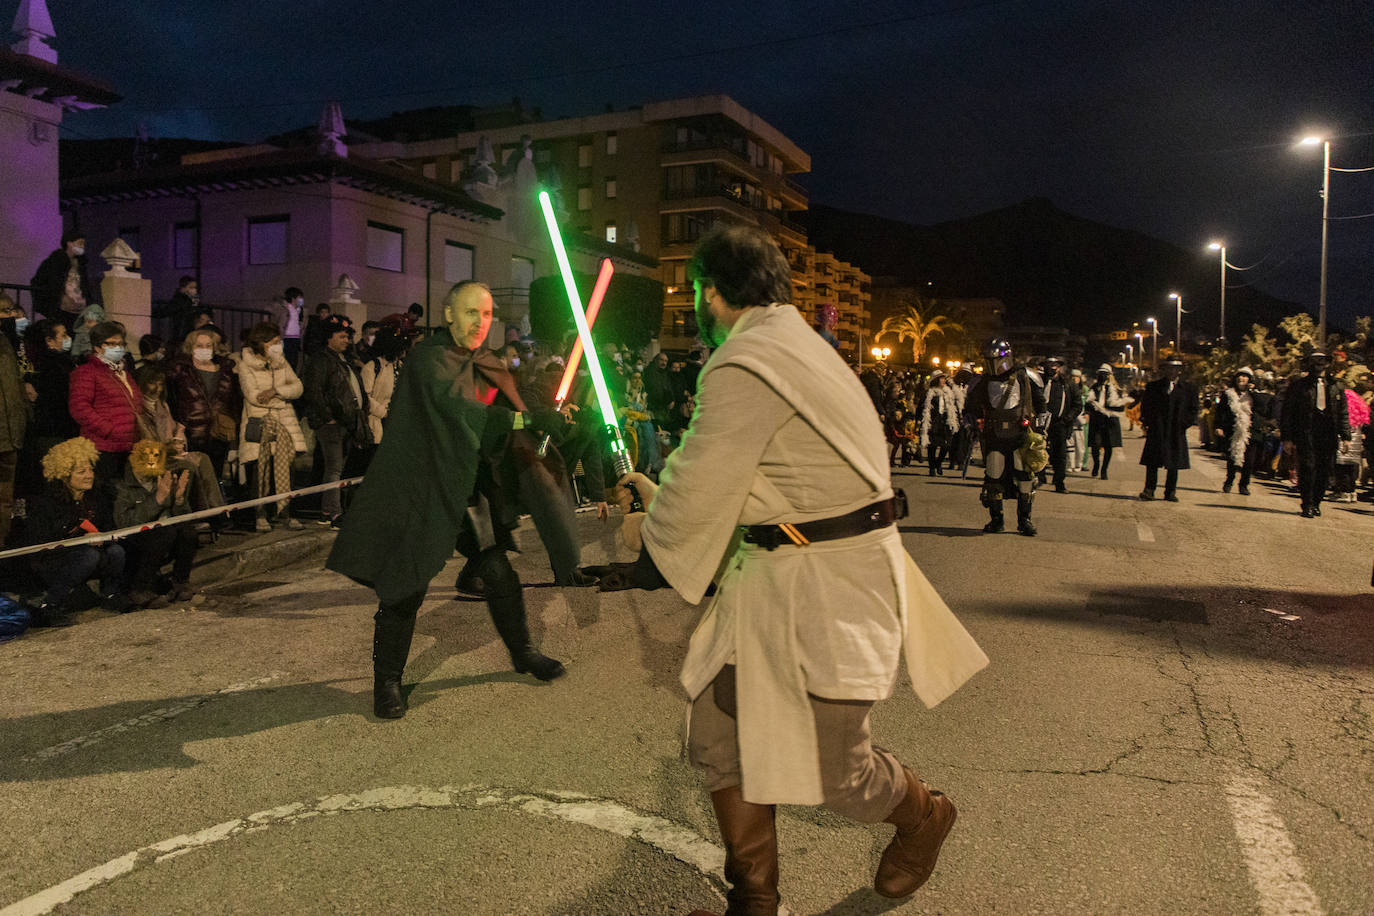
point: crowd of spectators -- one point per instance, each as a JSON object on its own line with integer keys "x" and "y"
{"x": 95, "y": 438}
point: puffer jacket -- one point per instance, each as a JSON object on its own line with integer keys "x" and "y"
{"x": 105, "y": 408}
{"x": 256, "y": 375}
{"x": 193, "y": 406}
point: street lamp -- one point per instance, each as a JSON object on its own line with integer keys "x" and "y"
{"x": 1178, "y": 328}
{"x": 1130, "y": 353}
{"x": 1218, "y": 246}
{"x": 1154, "y": 343}
{"x": 880, "y": 352}
{"x": 1326, "y": 201}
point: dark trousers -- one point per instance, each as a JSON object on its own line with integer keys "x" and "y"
{"x": 936, "y": 452}
{"x": 109, "y": 470}
{"x": 1152, "y": 479}
{"x": 9, "y": 463}
{"x": 549, "y": 503}
{"x": 62, "y": 570}
{"x": 1314, "y": 474}
{"x": 150, "y": 549}
{"x": 335, "y": 444}
{"x": 291, "y": 352}
{"x": 1102, "y": 459}
{"x": 1245, "y": 468}
{"x": 395, "y": 622}
{"x": 1057, "y": 441}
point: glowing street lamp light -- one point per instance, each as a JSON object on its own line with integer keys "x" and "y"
{"x": 880, "y": 352}
{"x": 1178, "y": 327}
{"x": 1326, "y": 201}
{"x": 935, "y": 360}
{"x": 1130, "y": 353}
{"x": 1220, "y": 246}
{"x": 1154, "y": 343}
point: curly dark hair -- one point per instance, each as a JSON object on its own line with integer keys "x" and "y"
{"x": 744, "y": 264}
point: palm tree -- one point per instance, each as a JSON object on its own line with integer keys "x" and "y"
{"x": 918, "y": 324}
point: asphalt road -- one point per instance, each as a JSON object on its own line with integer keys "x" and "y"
{"x": 1177, "y": 719}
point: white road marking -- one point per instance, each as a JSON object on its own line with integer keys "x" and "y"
{"x": 677, "y": 841}
{"x": 1282, "y": 616}
{"x": 160, "y": 714}
{"x": 1275, "y": 871}
{"x": 1143, "y": 532}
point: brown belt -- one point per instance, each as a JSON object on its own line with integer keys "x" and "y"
{"x": 860, "y": 521}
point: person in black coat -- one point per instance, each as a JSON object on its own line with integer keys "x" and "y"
{"x": 335, "y": 407}
{"x": 182, "y": 308}
{"x": 1064, "y": 403}
{"x": 1315, "y": 416}
{"x": 1168, "y": 407}
{"x": 53, "y": 296}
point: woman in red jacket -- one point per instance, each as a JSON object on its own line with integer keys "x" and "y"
{"x": 104, "y": 400}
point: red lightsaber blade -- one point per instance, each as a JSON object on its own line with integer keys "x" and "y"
{"x": 603, "y": 280}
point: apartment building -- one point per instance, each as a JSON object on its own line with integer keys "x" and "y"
{"x": 655, "y": 178}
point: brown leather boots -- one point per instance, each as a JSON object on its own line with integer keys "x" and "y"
{"x": 923, "y": 820}
{"x": 751, "y": 855}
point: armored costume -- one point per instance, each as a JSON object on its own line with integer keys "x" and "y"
{"x": 1007, "y": 401}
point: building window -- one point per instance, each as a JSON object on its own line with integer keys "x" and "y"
{"x": 267, "y": 237}
{"x": 611, "y": 144}
{"x": 385, "y": 247}
{"x": 185, "y": 239}
{"x": 584, "y": 156}
{"x": 610, "y": 189}
{"x": 610, "y": 230}
{"x": 584, "y": 198}
{"x": 455, "y": 170}
{"x": 430, "y": 170}
{"x": 458, "y": 260}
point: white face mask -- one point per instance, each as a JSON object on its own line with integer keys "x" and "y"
{"x": 78, "y": 251}
{"x": 112, "y": 355}
{"x": 202, "y": 354}
{"x": 274, "y": 350}
{"x": 66, "y": 343}
{"x": 300, "y": 301}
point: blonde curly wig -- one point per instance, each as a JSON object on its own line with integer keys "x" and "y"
{"x": 65, "y": 457}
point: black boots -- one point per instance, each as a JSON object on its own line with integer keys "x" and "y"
{"x": 995, "y": 523}
{"x": 390, "y": 647}
{"x": 751, "y": 854}
{"x": 508, "y": 614}
{"x": 923, "y": 819}
{"x": 1023, "y": 515}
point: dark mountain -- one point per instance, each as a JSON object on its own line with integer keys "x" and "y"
{"x": 1049, "y": 268}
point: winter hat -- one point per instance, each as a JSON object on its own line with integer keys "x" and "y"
{"x": 938, "y": 373}
{"x": 1246, "y": 371}
{"x": 1105, "y": 367}
{"x": 1076, "y": 373}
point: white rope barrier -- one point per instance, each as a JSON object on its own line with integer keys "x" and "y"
{"x": 106, "y": 536}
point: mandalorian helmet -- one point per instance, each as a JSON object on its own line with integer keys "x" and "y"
{"x": 997, "y": 353}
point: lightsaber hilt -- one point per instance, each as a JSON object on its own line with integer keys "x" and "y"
{"x": 620, "y": 461}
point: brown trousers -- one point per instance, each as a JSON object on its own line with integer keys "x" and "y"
{"x": 860, "y": 781}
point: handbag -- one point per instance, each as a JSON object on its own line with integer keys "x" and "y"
{"x": 252, "y": 429}
{"x": 223, "y": 427}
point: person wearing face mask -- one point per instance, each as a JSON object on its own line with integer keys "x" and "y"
{"x": 185, "y": 302}
{"x": 104, "y": 400}
{"x": 1168, "y": 407}
{"x": 1315, "y": 418}
{"x": 90, "y": 316}
{"x": 61, "y": 287}
{"x": 49, "y": 350}
{"x": 364, "y": 351}
{"x": 1240, "y": 427}
{"x": 204, "y": 396}
{"x": 269, "y": 386}
{"x": 291, "y": 320}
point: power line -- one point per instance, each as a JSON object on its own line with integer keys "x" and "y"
{"x": 608, "y": 68}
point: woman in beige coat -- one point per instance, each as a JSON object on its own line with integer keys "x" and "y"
{"x": 379, "y": 378}
{"x": 269, "y": 385}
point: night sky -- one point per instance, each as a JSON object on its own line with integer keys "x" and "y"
{"x": 1172, "y": 117}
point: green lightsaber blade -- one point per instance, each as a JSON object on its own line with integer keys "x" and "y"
{"x": 620, "y": 456}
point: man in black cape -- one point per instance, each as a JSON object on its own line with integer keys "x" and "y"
{"x": 449, "y": 471}
{"x": 1168, "y": 407}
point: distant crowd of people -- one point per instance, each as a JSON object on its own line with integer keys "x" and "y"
{"x": 1310, "y": 429}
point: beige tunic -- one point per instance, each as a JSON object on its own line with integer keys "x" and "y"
{"x": 783, "y": 431}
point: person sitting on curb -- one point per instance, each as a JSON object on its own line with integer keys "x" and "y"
{"x": 71, "y": 507}
{"x": 149, "y": 492}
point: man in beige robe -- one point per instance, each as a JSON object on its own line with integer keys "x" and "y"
{"x": 816, "y": 601}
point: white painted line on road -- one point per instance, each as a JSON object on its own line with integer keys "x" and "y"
{"x": 680, "y": 842}
{"x": 1143, "y": 532}
{"x": 160, "y": 714}
{"x": 1282, "y": 616}
{"x": 1275, "y": 871}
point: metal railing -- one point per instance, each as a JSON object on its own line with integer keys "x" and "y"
{"x": 16, "y": 292}
{"x": 233, "y": 321}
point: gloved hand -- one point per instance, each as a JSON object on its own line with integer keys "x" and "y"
{"x": 547, "y": 422}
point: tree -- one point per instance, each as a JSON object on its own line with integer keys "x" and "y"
{"x": 918, "y": 324}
